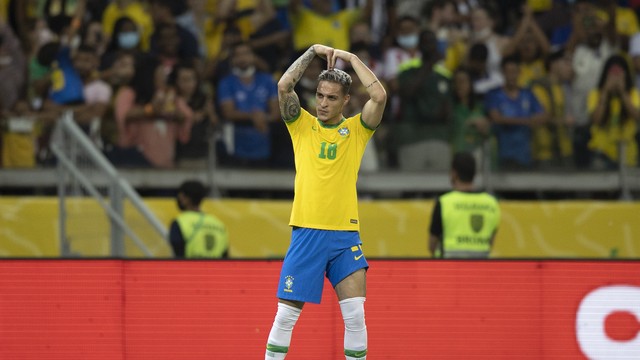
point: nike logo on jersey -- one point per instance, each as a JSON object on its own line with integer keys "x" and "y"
{"x": 356, "y": 258}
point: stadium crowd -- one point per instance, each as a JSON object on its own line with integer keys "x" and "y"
{"x": 530, "y": 84}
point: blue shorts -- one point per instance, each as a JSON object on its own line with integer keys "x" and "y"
{"x": 314, "y": 253}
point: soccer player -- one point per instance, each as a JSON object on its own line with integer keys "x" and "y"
{"x": 325, "y": 238}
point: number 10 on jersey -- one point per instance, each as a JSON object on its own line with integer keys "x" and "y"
{"x": 328, "y": 151}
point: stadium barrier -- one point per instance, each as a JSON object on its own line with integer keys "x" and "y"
{"x": 415, "y": 309}
{"x": 396, "y": 229}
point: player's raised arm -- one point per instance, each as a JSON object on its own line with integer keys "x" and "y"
{"x": 289, "y": 102}
{"x": 374, "y": 108}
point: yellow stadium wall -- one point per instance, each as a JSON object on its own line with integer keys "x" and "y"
{"x": 258, "y": 229}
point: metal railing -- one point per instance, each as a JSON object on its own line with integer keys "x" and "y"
{"x": 84, "y": 175}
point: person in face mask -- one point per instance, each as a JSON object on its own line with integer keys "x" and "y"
{"x": 126, "y": 37}
{"x": 407, "y": 39}
{"x": 401, "y": 55}
{"x": 133, "y": 10}
{"x": 249, "y": 106}
{"x": 128, "y": 40}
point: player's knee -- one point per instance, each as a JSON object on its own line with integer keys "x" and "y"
{"x": 287, "y": 316}
{"x": 353, "y": 313}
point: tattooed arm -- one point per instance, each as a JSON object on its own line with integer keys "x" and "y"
{"x": 289, "y": 102}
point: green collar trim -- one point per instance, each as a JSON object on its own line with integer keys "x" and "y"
{"x": 331, "y": 126}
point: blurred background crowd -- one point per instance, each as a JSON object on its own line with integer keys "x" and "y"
{"x": 528, "y": 84}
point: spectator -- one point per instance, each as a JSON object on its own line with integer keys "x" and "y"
{"x": 270, "y": 41}
{"x": 249, "y": 104}
{"x": 531, "y": 45}
{"x": 121, "y": 78}
{"x": 61, "y": 15}
{"x": 219, "y": 63}
{"x": 625, "y": 20}
{"x": 322, "y": 25}
{"x": 66, "y": 84}
{"x": 424, "y": 131}
{"x": 126, "y": 36}
{"x": 514, "y": 111}
{"x": 405, "y": 51}
{"x": 614, "y": 109}
{"x": 96, "y": 93}
{"x": 470, "y": 126}
{"x": 477, "y": 59}
{"x": 195, "y": 18}
{"x": 168, "y": 43}
{"x": 41, "y": 68}
{"x": 91, "y": 35}
{"x": 464, "y": 222}
{"x": 592, "y": 42}
{"x": 555, "y": 22}
{"x": 483, "y": 32}
{"x": 188, "y": 86}
{"x": 17, "y": 142}
{"x": 551, "y": 143}
{"x": 195, "y": 234}
{"x": 464, "y": 8}
{"x": 152, "y": 129}
{"x": 134, "y": 10}
{"x": 441, "y": 19}
{"x": 163, "y": 13}
{"x": 12, "y": 68}
{"x": 247, "y": 16}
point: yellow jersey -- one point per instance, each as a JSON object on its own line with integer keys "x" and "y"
{"x": 311, "y": 28}
{"x": 605, "y": 137}
{"x": 327, "y": 160}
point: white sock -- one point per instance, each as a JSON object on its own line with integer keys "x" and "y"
{"x": 355, "y": 330}
{"x": 280, "y": 335}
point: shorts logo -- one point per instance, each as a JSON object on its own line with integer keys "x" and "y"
{"x": 356, "y": 248}
{"x": 288, "y": 283}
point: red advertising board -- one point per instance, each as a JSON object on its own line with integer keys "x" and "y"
{"x": 415, "y": 309}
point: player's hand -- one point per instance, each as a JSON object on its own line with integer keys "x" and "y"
{"x": 339, "y": 54}
{"x": 323, "y": 51}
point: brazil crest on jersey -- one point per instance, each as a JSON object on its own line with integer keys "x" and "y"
{"x": 327, "y": 159}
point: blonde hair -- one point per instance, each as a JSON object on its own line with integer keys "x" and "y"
{"x": 337, "y": 76}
